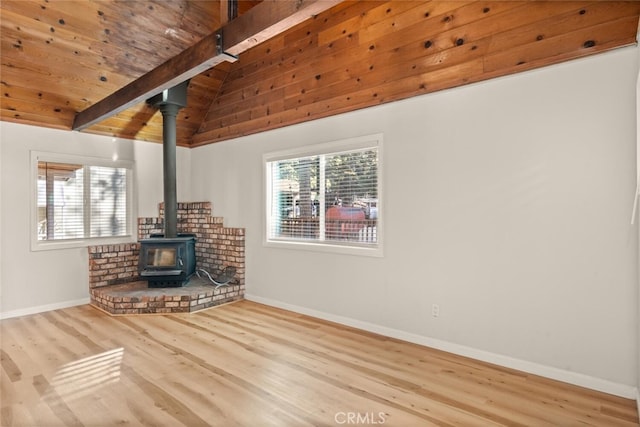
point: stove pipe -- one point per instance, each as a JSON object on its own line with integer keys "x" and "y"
{"x": 169, "y": 102}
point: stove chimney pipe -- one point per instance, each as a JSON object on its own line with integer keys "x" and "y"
{"x": 169, "y": 102}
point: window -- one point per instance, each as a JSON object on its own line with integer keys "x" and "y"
{"x": 326, "y": 196}
{"x": 78, "y": 199}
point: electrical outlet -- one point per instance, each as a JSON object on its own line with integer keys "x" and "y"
{"x": 435, "y": 310}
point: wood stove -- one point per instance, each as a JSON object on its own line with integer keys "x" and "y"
{"x": 167, "y": 261}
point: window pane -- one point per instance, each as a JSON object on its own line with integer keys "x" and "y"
{"x": 328, "y": 197}
{"x": 294, "y": 198}
{"x": 78, "y": 201}
{"x": 351, "y": 195}
{"x": 60, "y": 201}
{"x": 108, "y": 201}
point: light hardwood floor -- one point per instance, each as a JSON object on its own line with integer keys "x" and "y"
{"x": 246, "y": 364}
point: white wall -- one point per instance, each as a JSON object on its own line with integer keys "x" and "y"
{"x": 507, "y": 203}
{"x": 34, "y": 281}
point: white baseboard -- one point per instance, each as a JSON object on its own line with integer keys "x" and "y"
{"x": 42, "y": 308}
{"x": 622, "y": 390}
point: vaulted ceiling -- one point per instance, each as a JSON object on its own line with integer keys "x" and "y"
{"x": 61, "y": 57}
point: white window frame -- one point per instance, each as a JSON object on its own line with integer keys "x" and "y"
{"x": 43, "y": 245}
{"x": 333, "y": 147}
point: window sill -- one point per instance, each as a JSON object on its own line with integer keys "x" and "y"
{"x": 45, "y": 245}
{"x": 326, "y": 248}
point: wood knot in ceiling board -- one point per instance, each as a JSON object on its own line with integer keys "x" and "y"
{"x": 61, "y": 21}
{"x": 428, "y": 44}
{"x": 486, "y": 10}
{"x": 459, "y": 41}
{"x": 540, "y": 37}
{"x": 447, "y": 18}
{"x": 589, "y": 43}
{"x": 582, "y": 12}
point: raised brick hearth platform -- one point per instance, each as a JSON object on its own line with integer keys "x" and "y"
{"x": 138, "y": 298}
{"x": 115, "y": 286}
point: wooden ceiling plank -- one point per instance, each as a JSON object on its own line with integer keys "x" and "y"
{"x": 76, "y": 17}
{"x": 37, "y": 107}
{"x": 337, "y": 26}
{"x": 256, "y": 54}
{"x": 260, "y": 23}
{"x": 284, "y": 60}
{"x": 253, "y": 62}
{"x": 272, "y": 104}
{"x": 581, "y": 17}
{"x": 280, "y": 68}
{"x": 440, "y": 12}
{"x": 267, "y": 20}
{"x": 119, "y": 132}
{"x": 48, "y": 113}
{"x": 428, "y": 76}
{"x": 184, "y": 66}
{"x": 548, "y": 51}
{"x": 29, "y": 94}
{"x": 27, "y": 71}
{"x": 87, "y": 29}
{"x": 33, "y": 58}
{"x": 391, "y": 66}
{"x": 34, "y": 40}
{"x": 301, "y": 93}
{"x": 359, "y": 99}
{"x": 414, "y": 54}
{"x": 157, "y": 31}
{"x": 32, "y": 119}
{"x": 419, "y": 28}
{"x": 317, "y": 71}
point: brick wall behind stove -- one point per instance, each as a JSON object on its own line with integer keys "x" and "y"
{"x": 217, "y": 246}
{"x": 113, "y": 264}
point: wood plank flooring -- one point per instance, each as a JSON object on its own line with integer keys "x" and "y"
{"x": 246, "y": 364}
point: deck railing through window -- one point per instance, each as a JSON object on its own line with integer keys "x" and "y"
{"x": 351, "y": 230}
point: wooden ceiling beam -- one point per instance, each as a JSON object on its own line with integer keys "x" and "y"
{"x": 264, "y": 21}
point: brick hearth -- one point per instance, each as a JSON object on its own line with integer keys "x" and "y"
{"x": 115, "y": 286}
{"x": 138, "y": 298}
